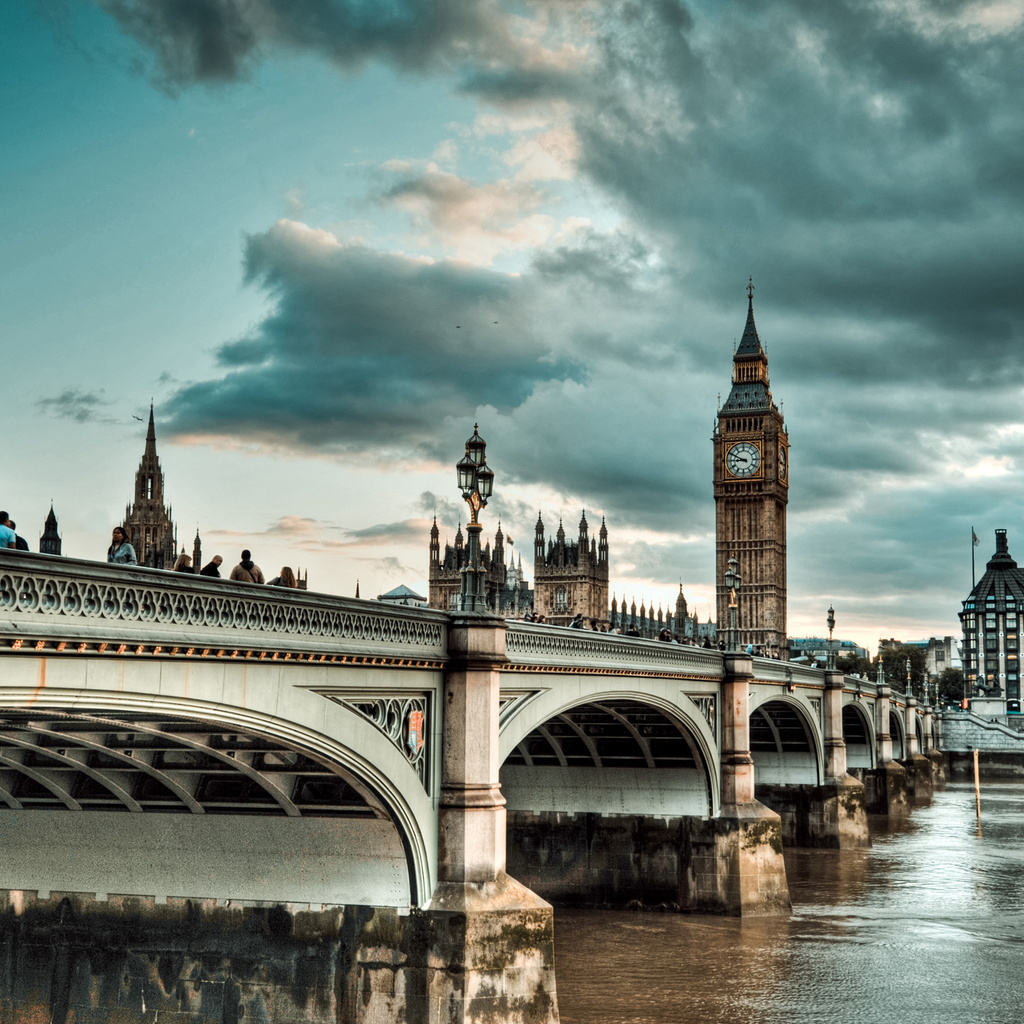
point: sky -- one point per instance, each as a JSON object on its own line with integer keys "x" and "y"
{"x": 326, "y": 237}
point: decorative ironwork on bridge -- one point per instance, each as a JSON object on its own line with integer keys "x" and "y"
{"x": 529, "y": 646}
{"x": 403, "y": 718}
{"x": 74, "y": 602}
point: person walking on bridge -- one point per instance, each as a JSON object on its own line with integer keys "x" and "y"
{"x": 286, "y": 579}
{"x": 212, "y": 567}
{"x": 19, "y": 542}
{"x": 8, "y": 538}
{"x": 247, "y": 571}
{"x": 121, "y": 551}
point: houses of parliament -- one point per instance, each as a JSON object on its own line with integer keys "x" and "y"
{"x": 750, "y": 483}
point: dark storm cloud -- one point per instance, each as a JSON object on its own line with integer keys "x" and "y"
{"x": 615, "y": 261}
{"x": 862, "y": 161}
{"x": 367, "y": 349}
{"x": 446, "y": 510}
{"x": 376, "y": 355}
{"x": 78, "y": 405}
{"x": 518, "y": 86}
{"x": 404, "y": 532}
{"x": 220, "y": 40}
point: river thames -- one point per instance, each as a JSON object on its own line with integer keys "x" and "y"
{"x": 926, "y": 926}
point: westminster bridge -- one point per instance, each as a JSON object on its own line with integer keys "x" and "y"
{"x": 221, "y": 802}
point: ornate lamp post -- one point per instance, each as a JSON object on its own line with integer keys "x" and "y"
{"x": 476, "y": 481}
{"x": 910, "y": 692}
{"x": 732, "y": 583}
{"x": 831, "y": 620}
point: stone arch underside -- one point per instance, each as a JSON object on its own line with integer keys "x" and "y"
{"x": 858, "y": 738}
{"x": 897, "y": 734}
{"x": 609, "y": 756}
{"x": 783, "y": 746}
{"x": 136, "y": 802}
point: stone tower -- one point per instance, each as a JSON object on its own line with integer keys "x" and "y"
{"x": 147, "y": 520}
{"x": 571, "y": 576}
{"x": 751, "y": 474}
{"x": 49, "y": 542}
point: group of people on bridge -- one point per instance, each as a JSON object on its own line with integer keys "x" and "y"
{"x": 121, "y": 552}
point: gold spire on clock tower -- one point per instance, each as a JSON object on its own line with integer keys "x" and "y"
{"x": 751, "y": 474}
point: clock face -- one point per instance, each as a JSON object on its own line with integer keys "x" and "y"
{"x": 783, "y": 462}
{"x": 743, "y": 459}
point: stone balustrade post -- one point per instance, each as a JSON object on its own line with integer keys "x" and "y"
{"x": 911, "y": 720}
{"x": 472, "y": 809}
{"x": 927, "y": 729}
{"x": 882, "y": 712}
{"x": 737, "y": 764}
{"x": 835, "y": 745}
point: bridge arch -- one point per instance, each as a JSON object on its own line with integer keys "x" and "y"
{"x": 255, "y": 762}
{"x": 898, "y": 734}
{"x": 647, "y": 750}
{"x": 785, "y": 742}
{"x": 859, "y": 735}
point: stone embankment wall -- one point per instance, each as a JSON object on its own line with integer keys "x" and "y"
{"x": 1000, "y": 746}
{"x": 71, "y": 959}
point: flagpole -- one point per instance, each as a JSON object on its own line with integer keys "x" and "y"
{"x": 974, "y": 544}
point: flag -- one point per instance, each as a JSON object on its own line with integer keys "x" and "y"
{"x": 510, "y": 541}
{"x": 974, "y": 537}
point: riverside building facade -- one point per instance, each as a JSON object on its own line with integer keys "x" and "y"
{"x": 991, "y": 623}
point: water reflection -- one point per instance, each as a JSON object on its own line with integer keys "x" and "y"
{"x": 927, "y": 925}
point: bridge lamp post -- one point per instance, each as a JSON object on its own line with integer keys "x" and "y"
{"x": 476, "y": 481}
{"x": 910, "y": 692}
{"x": 732, "y": 583}
{"x": 831, "y": 620}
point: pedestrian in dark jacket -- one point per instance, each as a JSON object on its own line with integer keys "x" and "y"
{"x": 19, "y": 542}
{"x": 212, "y": 567}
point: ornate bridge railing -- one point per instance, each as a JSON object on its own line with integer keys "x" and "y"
{"x": 68, "y": 605}
{"x": 532, "y": 646}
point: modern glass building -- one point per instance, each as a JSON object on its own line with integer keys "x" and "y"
{"x": 990, "y": 620}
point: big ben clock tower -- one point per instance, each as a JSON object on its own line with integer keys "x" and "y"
{"x": 751, "y": 492}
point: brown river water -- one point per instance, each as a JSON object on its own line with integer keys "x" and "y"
{"x": 927, "y": 926}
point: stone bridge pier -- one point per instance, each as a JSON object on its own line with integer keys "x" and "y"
{"x": 831, "y": 813}
{"x": 920, "y": 781}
